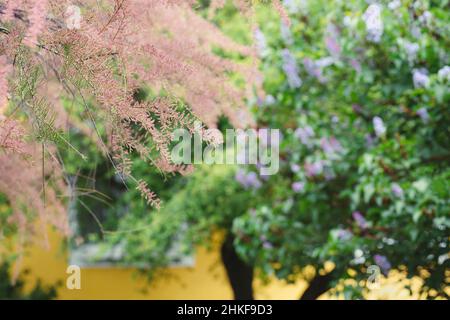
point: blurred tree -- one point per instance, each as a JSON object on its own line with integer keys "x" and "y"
{"x": 360, "y": 93}
{"x": 10, "y": 289}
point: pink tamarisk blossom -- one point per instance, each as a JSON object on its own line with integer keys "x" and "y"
{"x": 37, "y": 18}
{"x": 5, "y": 69}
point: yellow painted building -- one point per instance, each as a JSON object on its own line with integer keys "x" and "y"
{"x": 205, "y": 280}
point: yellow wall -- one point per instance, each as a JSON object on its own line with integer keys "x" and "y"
{"x": 206, "y": 280}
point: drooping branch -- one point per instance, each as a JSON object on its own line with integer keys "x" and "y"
{"x": 318, "y": 286}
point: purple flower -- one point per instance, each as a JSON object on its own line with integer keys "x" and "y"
{"x": 411, "y": 50}
{"x": 313, "y": 169}
{"x": 267, "y": 245}
{"x": 369, "y": 140}
{"x": 343, "y": 234}
{"x": 357, "y": 108}
{"x": 295, "y": 168}
{"x": 315, "y": 68}
{"x": 360, "y": 220}
{"x": 248, "y": 180}
{"x": 397, "y": 190}
{"x": 383, "y": 263}
{"x": 253, "y": 181}
{"x": 261, "y": 43}
{"x": 240, "y": 177}
{"x": 355, "y": 65}
{"x": 420, "y": 78}
{"x": 330, "y": 146}
{"x": 378, "y": 126}
{"x": 290, "y": 69}
{"x": 304, "y": 134}
{"x": 374, "y": 23}
{"x": 311, "y": 68}
{"x": 423, "y": 114}
{"x": 298, "y": 187}
{"x": 426, "y": 17}
{"x": 333, "y": 46}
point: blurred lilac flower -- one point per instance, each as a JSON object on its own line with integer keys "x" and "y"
{"x": 333, "y": 46}
{"x": 267, "y": 245}
{"x": 378, "y": 126}
{"x": 259, "y": 102}
{"x": 332, "y": 31}
{"x": 425, "y": 18}
{"x": 330, "y": 146}
{"x": 357, "y": 108}
{"x": 343, "y": 234}
{"x": 411, "y": 49}
{"x": 415, "y": 32}
{"x": 420, "y": 78}
{"x": 360, "y": 220}
{"x": 311, "y": 68}
{"x": 444, "y": 73}
{"x": 355, "y": 65}
{"x": 383, "y": 263}
{"x": 286, "y": 34}
{"x": 335, "y": 119}
{"x": 394, "y": 4}
{"x": 423, "y": 114}
{"x": 315, "y": 68}
{"x": 269, "y": 100}
{"x": 248, "y": 180}
{"x": 313, "y": 169}
{"x": 370, "y": 140}
{"x": 292, "y": 6}
{"x": 298, "y": 187}
{"x": 295, "y": 168}
{"x": 290, "y": 69}
{"x": 397, "y": 190}
{"x": 304, "y": 134}
{"x": 253, "y": 181}
{"x": 261, "y": 43}
{"x": 241, "y": 177}
{"x": 374, "y": 23}
{"x": 325, "y": 62}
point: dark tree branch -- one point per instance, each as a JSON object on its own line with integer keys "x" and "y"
{"x": 240, "y": 275}
{"x": 318, "y": 286}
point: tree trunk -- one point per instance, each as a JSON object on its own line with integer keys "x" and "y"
{"x": 240, "y": 275}
{"x": 318, "y": 286}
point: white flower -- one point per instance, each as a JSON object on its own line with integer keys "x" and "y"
{"x": 444, "y": 73}
{"x": 394, "y": 4}
{"x": 378, "y": 126}
{"x": 261, "y": 43}
{"x": 426, "y": 17}
{"x": 411, "y": 49}
{"x": 415, "y": 32}
{"x": 292, "y": 6}
{"x": 374, "y": 24}
{"x": 420, "y": 78}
